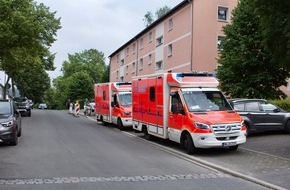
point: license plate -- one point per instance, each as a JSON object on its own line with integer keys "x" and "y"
{"x": 229, "y": 144}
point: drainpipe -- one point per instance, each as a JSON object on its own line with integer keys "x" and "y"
{"x": 191, "y": 34}
{"x": 137, "y": 57}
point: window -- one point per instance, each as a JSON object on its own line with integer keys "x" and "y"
{"x": 252, "y": 106}
{"x": 150, "y": 37}
{"x": 159, "y": 41}
{"x": 169, "y": 50}
{"x": 149, "y": 59}
{"x": 141, "y": 43}
{"x": 223, "y": 13}
{"x": 122, "y": 79}
{"x": 141, "y": 64}
{"x": 127, "y": 69}
{"x": 104, "y": 95}
{"x": 133, "y": 67}
{"x": 170, "y": 24}
{"x": 152, "y": 93}
{"x": 122, "y": 62}
{"x": 158, "y": 65}
{"x": 127, "y": 51}
{"x": 219, "y": 42}
{"x": 117, "y": 74}
{"x": 176, "y": 104}
{"x": 134, "y": 48}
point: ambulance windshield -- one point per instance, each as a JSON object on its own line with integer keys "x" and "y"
{"x": 205, "y": 100}
{"x": 125, "y": 99}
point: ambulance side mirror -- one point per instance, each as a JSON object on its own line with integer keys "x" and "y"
{"x": 113, "y": 104}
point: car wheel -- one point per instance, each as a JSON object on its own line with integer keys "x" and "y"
{"x": 15, "y": 139}
{"x": 247, "y": 130}
{"x": 189, "y": 145}
{"x": 120, "y": 124}
{"x": 20, "y": 132}
{"x": 29, "y": 113}
{"x": 287, "y": 128}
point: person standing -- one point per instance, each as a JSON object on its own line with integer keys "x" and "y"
{"x": 67, "y": 103}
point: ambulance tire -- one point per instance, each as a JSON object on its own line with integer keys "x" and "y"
{"x": 146, "y": 134}
{"x": 189, "y": 145}
{"x": 120, "y": 124}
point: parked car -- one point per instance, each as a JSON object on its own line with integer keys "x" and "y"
{"x": 42, "y": 106}
{"x": 31, "y": 104}
{"x": 10, "y": 122}
{"x": 260, "y": 115}
{"x": 23, "y": 106}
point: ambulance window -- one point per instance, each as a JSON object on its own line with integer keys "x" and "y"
{"x": 115, "y": 99}
{"x": 152, "y": 93}
{"x": 104, "y": 95}
{"x": 176, "y": 104}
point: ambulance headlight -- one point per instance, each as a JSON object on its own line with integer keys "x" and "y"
{"x": 126, "y": 113}
{"x": 201, "y": 125}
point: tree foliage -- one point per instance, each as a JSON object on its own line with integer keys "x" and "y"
{"x": 27, "y": 31}
{"x": 32, "y": 82}
{"x": 246, "y": 65}
{"x": 80, "y": 73}
{"x": 275, "y": 22}
{"x": 149, "y": 18}
{"x": 90, "y": 61}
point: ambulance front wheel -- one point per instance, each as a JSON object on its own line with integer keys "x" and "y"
{"x": 189, "y": 145}
{"x": 120, "y": 124}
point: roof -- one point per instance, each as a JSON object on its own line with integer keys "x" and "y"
{"x": 151, "y": 26}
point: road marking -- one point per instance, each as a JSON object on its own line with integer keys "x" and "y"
{"x": 68, "y": 180}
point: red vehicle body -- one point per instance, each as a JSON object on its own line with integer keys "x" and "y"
{"x": 187, "y": 108}
{"x": 113, "y": 103}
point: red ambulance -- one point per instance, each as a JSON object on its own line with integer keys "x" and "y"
{"x": 113, "y": 103}
{"x": 187, "y": 108}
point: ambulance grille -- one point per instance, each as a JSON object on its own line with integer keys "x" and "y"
{"x": 226, "y": 128}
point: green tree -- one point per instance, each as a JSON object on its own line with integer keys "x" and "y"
{"x": 81, "y": 87}
{"x": 161, "y": 11}
{"x": 27, "y": 31}
{"x": 149, "y": 18}
{"x": 51, "y": 97}
{"x": 90, "y": 61}
{"x": 32, "y": 82}
{"x": 80, "y": 73}
{"x": 275, "y": 23}
{"x": 246, "y": 68}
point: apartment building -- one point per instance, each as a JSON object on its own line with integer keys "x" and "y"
{"x": 185, "y": 39}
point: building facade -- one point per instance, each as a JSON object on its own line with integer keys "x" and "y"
{"x": 186, "y": 39}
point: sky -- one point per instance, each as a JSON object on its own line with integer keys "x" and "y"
{"x": 104, "y": 25}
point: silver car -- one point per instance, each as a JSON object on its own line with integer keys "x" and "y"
{"x": 10, "y": 122}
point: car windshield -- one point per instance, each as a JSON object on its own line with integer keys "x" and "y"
{"x": 5, "y": 108}
{"x": 206, "y": 100}
{"x": 125, "y": 99}
{"x": 20, "y": 99}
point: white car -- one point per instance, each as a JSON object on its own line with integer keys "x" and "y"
{"x": 42, "y": 106}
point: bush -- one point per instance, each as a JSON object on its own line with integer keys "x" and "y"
{"x": 284, "y": 104}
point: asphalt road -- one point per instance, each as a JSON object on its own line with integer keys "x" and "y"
{"x": 60, "y": 151}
